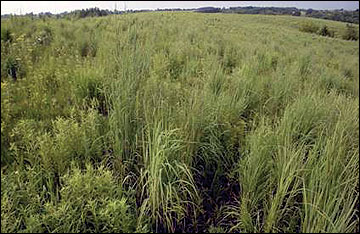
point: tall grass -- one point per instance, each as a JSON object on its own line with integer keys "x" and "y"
{"x": 178, "y": 122}
{"x": 168, "y": 192}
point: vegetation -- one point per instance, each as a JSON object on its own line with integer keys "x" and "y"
{"x": 337, "y": 15}
{"x": 309, "y": 27}
{"x": 265, "y": 10}
{"x": 113, "y": 124}
{"x": 324, "y": 31}
{"x": 351, "y": 33}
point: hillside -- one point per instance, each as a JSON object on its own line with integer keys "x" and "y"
{"x": 179, "y": 122}
{"x": 349, "y": 16}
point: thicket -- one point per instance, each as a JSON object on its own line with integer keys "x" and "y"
{"x": 309, "y": 27}
{"x": 350, "y": 32}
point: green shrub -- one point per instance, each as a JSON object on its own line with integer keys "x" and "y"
{"x": 71, "y": 139}
{"x": 23, "y": 141}
{"x": 23, "y": 193}
{"x": 324, "y": 31}
{"x": 68, "y": 139}
{"x": 351, "y": 33}
{"x": 91, "y": 201}
{"x": 309, "y": 27}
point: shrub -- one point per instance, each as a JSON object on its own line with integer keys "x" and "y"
{"x": 351, "y": 33}
{"x": 23, "y": 141}
{"x": 22, "y": 193}
{"x": 91, "y": 201}
{"x": 324, "y": 31}
{"x": 309, "y": 27}
{"x": 71, "y": 139}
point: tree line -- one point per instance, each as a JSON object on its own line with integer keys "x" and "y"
{"x": 336, "y": 15}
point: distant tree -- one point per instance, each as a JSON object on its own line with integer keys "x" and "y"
{"x": 309, "y": 11}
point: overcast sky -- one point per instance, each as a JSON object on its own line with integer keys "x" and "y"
{"x": 23, "y": 7}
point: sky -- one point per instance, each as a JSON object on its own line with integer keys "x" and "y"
{"x": 23, "y": 7}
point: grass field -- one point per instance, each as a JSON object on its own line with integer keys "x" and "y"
{"x": 178, "y": 122}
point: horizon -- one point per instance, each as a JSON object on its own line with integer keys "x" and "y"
{"x": 56, "y": 7}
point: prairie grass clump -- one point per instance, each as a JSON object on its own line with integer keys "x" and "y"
{"x": 302, "y": 122}
{"x": 305, "y": 65}
{"x": 168, "y": 192}
{"x": 89, "y": 90}
{"x": 254, "y": 172}
{"x": 88, "y": 48}
{"x": 6, "y": 35}
{"x": 338, "y": 185}
{"x": 175, "y": 66}
{"x": 45, "y": 36}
